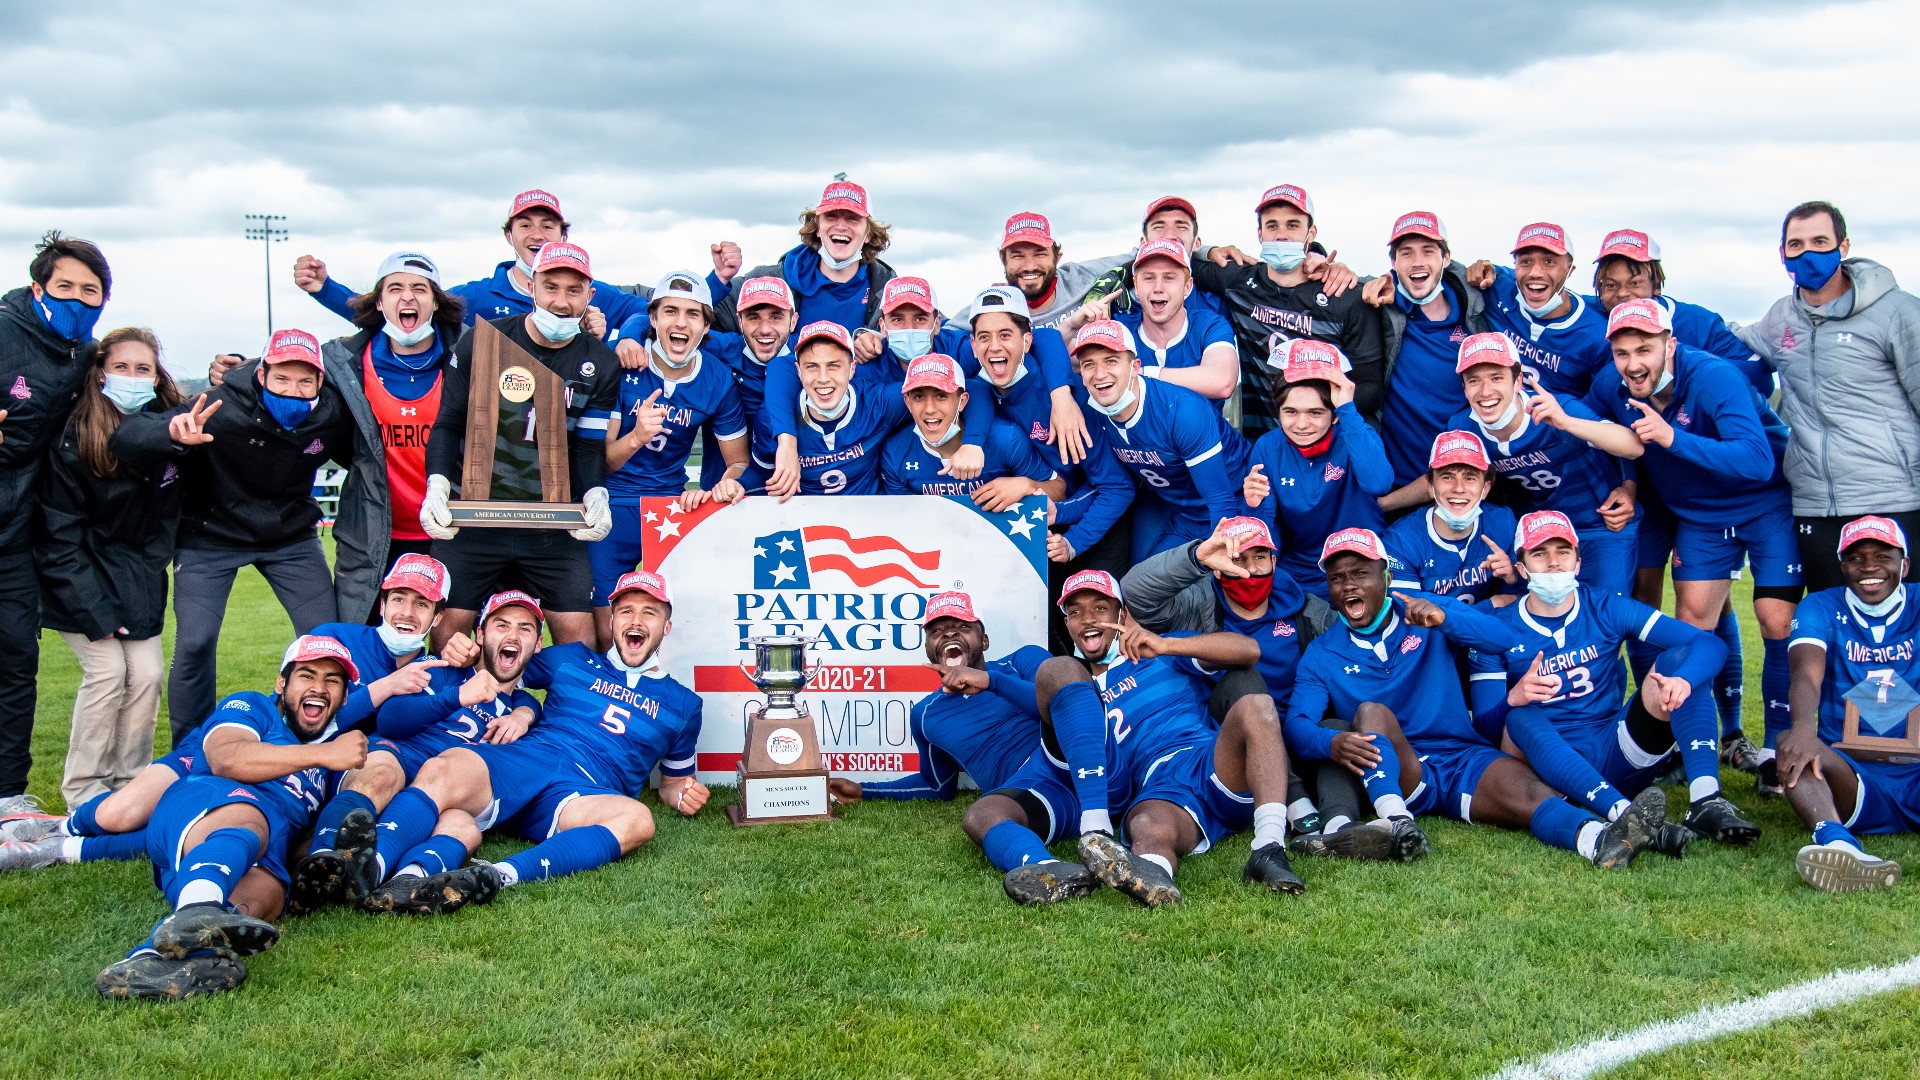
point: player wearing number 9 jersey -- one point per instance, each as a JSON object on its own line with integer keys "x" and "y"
{"x": 845, "y": 414}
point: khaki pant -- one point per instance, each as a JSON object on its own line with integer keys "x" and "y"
{"x": 114, "y": 714}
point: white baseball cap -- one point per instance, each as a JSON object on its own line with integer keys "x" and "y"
{"x": 684, "y": 284}
{"x": 409, "y": 262}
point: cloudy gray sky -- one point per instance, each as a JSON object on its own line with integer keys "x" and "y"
{"x": 152, "y": 128}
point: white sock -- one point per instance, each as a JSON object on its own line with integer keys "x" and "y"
{"x": 60, "y": 828}
{"x": 1334, "y": 824}
{"x": 1096, "y": 821}
{"x": 1589, "y": 840}
{"x": 1300, "y": 808}
{"x": 70, "y": 848}
{"x": 1618, "y": 808}
{"x": 1766, "y": 754}
{"x": 1391, "y": 806}
{"x": 1702, "y": 787}
{"x": 200, "y": 892}
{"x": 413, "y": 869}
{"x": 1161, "y": 862}
{"x": 508, "y": 875}
{"x": 1269, "y": 824}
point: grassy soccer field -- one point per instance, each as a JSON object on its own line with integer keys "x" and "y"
{"x": 882, "y": 945}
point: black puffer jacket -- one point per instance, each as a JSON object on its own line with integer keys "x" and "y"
{"x": 40, "y": 375}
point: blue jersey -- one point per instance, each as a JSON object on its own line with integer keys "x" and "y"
{"x": 1183, "y": 452}
{"x": 707, "y": 399}
{"x": 1277, "y": 633}
{"x": 750, "y": 382}
{"x": 908, "y": 467}
{"x": 843, "y": 457}
{"x": 371, "y": 656}
{"x": 1554, "y": 470}
{"x": 434, "y": 720}
{"x": 496, "y": 297}
{"x": 990, "y": 734}
{"x": 1411, "y": 670}
{"x": 1565, "y": 353}
{"x": 1425, "y": 561}
{"x": 612, "y": 725}
{"x": 1704, "y": 329}
{"x": 1204, "y": 330}
{"x": 1099, "y": 489}
{"x": 1873, "y": 662}
{"x": 1047, "y": 357}
{"x": 1583, "y": 648}
{"x": 1423, "y": 390}
{"x": 1311, "y": 498}
{"x": 1723, "y": 469}
{"x": 290, "y": 801}
{"x": 880, "y": 376}
{"x": 1154, "y": 708}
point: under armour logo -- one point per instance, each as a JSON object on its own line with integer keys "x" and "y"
{"x": 409, "y": 410}
{"x": 390, "y": 826}
{"x": 1591, "y": 795}
{"x": 1084, "y": 773}
{"x": 1772, "y": 704}
{"x": 913, "y": 465}
{"x": 1843, "y": 338}
{"x": 1286, "y": 481}
{"x": 1352, "y": 669}
{"x": 1701, "y": 744}
{"x": 1377, "y": 774}
{"x": 222, "y": 867}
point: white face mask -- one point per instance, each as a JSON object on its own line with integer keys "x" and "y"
{"x": 653, "y": 346}
{"x": 1467, "y": 522}
{"x": 1894, "y": 599}
{"x": 397, "y": 643}
{"x": 403, "y": 338}
{"x": 1541, "y": 312}
{"x": 554, "y": 327}
{"x": 832, "y": 263}
{"x": 1439, "y": 282}
{"x": 831, "y": 412}
{"x": 953, "y": 428}
{"x": 129, "y": 393}
{"x": 1553, "y": 588}
{"x": 1112, "y": 657}
{"x": 1126, "y": 401}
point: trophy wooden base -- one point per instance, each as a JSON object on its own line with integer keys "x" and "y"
{"x": 1898, "y": 750}
{"x": 489, "y": 514}
{"x": 781, "y": 778}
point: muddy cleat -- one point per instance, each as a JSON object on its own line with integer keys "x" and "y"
{"x": 1359, "y": 841}
{"x": 318, "y": 881}
{"x": 1313, "y": 844}
{"x": 1050, "y": 882}
{"x": 1671, "y": 840}
{"x": 204, "y": 927}
{"x": 482, "y": 880}
{"x": 21, "y": 828}
{"x": 1121, "y": 869}
{"x": 30, "y": 854}
{"x": 151, "y": 976}
{"x": 1632, "y": 832}
{"x": 1740, "y": 753}
{"x": 1839, "y": 867}
{"x": 415, "y": 894}
{"x": 1767, "y": 780}
{"x": 1405, "y": 841}
{"x": 1269, "y": 866}
{"x": 360, "y": 863}
{"x": 1714, "y": 818}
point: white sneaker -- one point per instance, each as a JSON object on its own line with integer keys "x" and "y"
{"x": 18, "y": 827}
{"x": 21, "y": 804}
{"x": 31, "y": 854}
{"x": 1839, "y": 867}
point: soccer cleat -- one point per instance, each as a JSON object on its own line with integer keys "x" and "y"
{"x": 1671, "y": 840}
{"x": 20, "y": 828}
{"x": 14, "y": 805}
{"x": 1405, "y": 840}
{"x": 1767, "y": 779}
{"x": 359, "y": 860}
{"x": 1632, "y": 832}
{"x": 436, "y": 894}
{"x": 1839, "y": 867}
{"x": 1740, "y": 753}
{"x": 152, "y": 976}
{"x": 209, "y": 926}
{"x": 1269, "y": 866}
{"x": 1714, "y": 818}
{"x": 30, "y": 854}
{"x": 1308, "y": 824}
{"x": 482, "y": 879}
{"x": 1309, "y": 844}
{"x": 1050, "y": 882}
{"x": 1121, "y": 869}
{"x": 318, "y": 880}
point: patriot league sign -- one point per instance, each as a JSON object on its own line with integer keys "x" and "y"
{"x": 854, "y": 572}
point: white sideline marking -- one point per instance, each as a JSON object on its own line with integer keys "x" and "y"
{"x": 1600, "y": 1055}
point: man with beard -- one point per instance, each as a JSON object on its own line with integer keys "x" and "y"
{"x": 251, "y": 792}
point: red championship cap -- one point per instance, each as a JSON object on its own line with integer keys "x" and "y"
{"x": 765, "y": 290}
{"x": 1630, "y": 243}
{"x": 1026, "y": 227}
{"x": 534, "y": 200}
{"x": 1541, "y": 234}
{"x": 1872, "y": 527}
{"x": 1249, "y": 532}
{"x": 1362, "y": 542}
{"x": 511, "y": 598}
{"x": 1458, "y": 448}
{"x": 1418, "y": 223}
{"x": 843, "y": 195}
{"x": 309, "y": 647}
{"x": 1291, "y": 194}
{"x": 1169, "y": 202}
{"x": 423, "y": 574}
{"x": 1646, "y": 316}
{"x": 937, "y": 370}
{"x": 1487, "y": 348}
{"x": 826, "y": 330}
{"x": 908, "y": 290}
{"x": 1541, "y": 526}
{"x": 293, "y": 346}
{"x": 1090, "y": 581}
{"x": 642, "y": 581}
{"x": 560, "y": 255}
{"x": 1105, "y": 333}
{"x": 1301, "y": 359}
{"x": 949, "y": 605}
{"x": 1164, "y": 248}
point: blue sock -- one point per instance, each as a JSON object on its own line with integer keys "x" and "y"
{"x": 82, "y": 822}
{"x": 1010, "y": 844}
{"x": 1640, "y": 657}
{"x": 1828, "y": 831}
{"x": 1729, "y": 687}
{"x": 1558, "y": 822}
{"x": 114, "y": 847}
{"x": 1558, "y": 763}
{"x": 1383, "y": 780}
{"x": 566, "y": 852}
{"x": 439, "y": 854}
{"x": 1080, "y": 726}
{"x": 222, "y": 859}
{"x": 1694, "y": 728}
{"x": 409, "y": 820}
{"x": 1774, "y": 680}
{"x": 327, "y": 825}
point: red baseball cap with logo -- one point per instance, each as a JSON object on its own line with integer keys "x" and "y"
{"x": 1090, "y": 581}
{"x": 1291, "y": 194}
{"x": 1362, "y": 542}
{"x": 641, "y": 581}
{"x": 1026, "y": 227}
{"x": 1630, "y": 243}
{"x": 511, "y": 598}
{"x": 1105, "y": 333}
{"x": 952, "y": 604}
{"x": 1303, "y": 359}
{"x": 423, "y": 574}
{"x": 908, "y": 290}
{"x": 560, "y": 255}
{"x": 1458, "y": 448}
{"x": 1418, "y": 223}
{"x": 823, "y": 330}
{"x": 534, "y": 200}
{"x": 1170, "y": 202}
{"x": 1487, "y": 348}
{"x": 937, "y": 370}
{"x": 1644, "y": 315}
{"x": 770, "y": 291}
{"x": 1541, "y": 234}
{"x": 1248, "y": 532}
{"x": 843, "y": 195}
{"x": 293, "y": 346}
{"x": 1872, "y": 527}
{"x": 310, "y": 647}
{"x": 1541, "y": 526}
{"x": 1164, "y": 248}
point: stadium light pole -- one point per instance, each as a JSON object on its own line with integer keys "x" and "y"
{"x": 265, "y": 228}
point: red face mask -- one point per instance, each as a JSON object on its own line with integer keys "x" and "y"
{"x": 1249, "y": 592}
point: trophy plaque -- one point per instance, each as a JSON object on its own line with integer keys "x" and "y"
{"x": 514, "y": 473}
{"x": 1876, "y": 709}
{"x": 781, "y": 778}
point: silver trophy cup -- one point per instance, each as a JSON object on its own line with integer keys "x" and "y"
{"x": 780, "y": 669}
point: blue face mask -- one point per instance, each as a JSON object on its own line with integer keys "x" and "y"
{"x": 1379, "y": 620}
{"x": 1812, "y": 270}
{"x": 129, "y": 393}
{"x": 910, "y": 345}
{"x": 70, "y": 319}
{"x": 288, "y": 412}
{"x": 1126, "y": 402}
{"x": 1112, "y": 657}
{"x": 1283, "y": 255}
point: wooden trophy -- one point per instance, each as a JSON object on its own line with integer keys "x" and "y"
{"x": 1884, "y": 704}
{"x": 781, "y": 778}
{"x": 514, "y": 475}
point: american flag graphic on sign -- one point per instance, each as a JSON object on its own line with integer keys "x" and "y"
{"x": 787, "y": 560}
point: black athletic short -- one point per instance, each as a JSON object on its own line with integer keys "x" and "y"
{"x": 549, "y": 564}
